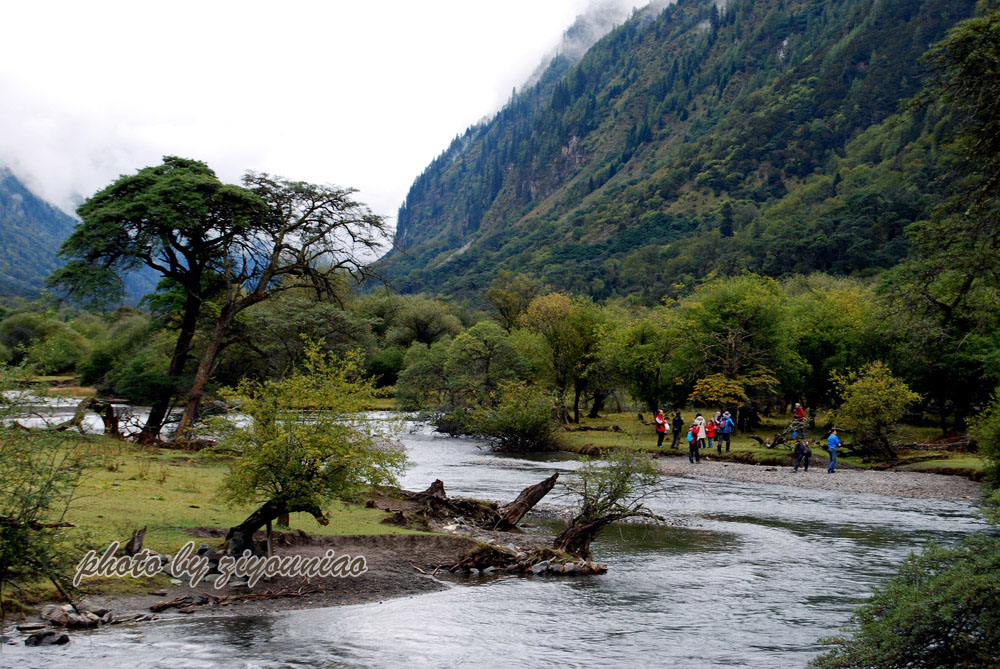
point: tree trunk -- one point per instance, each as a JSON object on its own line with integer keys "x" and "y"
{"x": 511, "y": 514}
{"x": 576, "y": 538}
{"x": 240, "y": 537}
{"x": 598, "y": 406}
{"x": 201, "y": 376}
{"x": 158, "y": 412}
{"x": 577, "y": 391}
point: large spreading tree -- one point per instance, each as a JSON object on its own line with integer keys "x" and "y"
{"x": 221, "y": 248}
{"x": 176, "y": 219}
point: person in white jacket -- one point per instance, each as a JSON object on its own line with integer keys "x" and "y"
{"x": 699, "y": 420}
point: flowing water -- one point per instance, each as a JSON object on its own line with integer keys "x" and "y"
{"x": 753, "y": 577}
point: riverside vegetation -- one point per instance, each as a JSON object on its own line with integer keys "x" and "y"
{"x": 901, "y": 353}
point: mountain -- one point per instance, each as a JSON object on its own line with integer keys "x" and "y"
{"x": 31, "y": 231}
{"x": 753, "y": 135}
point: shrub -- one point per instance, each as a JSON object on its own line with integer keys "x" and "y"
{"x": 874, "y": 403}
{"x": 522, "y": 419}
{"x": 941, "y": 610}
{"x": 59, "y": 352}
{"x": 986, "y": 431}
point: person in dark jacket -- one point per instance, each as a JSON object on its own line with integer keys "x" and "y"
{"x": 802, "y": 454}
{"x": 677, "y": 426}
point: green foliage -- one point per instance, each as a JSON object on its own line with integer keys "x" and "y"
{"x": 522, "y": 420}
{"x": 32, "y": 231}
{"x": 616, "y": 484}
{"x": 941, "y": 610}
{"x": 669, "y": 152}
{"x": 267, "y": 340}
{"x": 140, "y": 376}
{"x": 58, "y": 353}
{"x": 874, "y": 403}
{"x": 38, "y": 476}
{"x": 510, "y": 294}
{"x": 985, "y": 429}
{"x": 741, "y": 328}
{"x": 422, "y": 320}
{"x": 637, "y": 355}
{"x": 305, "y": 442}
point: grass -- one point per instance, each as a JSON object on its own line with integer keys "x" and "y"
{"x": 633, "y": 434}
{"x": 172, "y": 494}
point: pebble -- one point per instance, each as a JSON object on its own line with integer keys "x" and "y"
{"x": 865, "y": 481}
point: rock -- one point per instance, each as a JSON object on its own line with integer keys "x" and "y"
{"x": 159, "y": 593}
{"x": 177, "y": 581}
{"x": 57, "y": 615}
{"x": 541, "y": 567}
{"x": 93, "y": 607}
{"x": 7, "y": 641}
{"x": 489, "y": 570}
{"x": 31, "y": 627}
{"x": 47, "y": 638}
{"x": 84, "y": 620}
{"x": 569, "y": 568}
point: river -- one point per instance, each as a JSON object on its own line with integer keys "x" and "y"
{"x": 753, "y": 576}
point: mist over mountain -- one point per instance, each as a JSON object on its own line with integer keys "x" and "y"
{"x": 31, "y": 232}
{"x": 695, "y": 138}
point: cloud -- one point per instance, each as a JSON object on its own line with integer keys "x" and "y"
{"x": 360, "y": 94}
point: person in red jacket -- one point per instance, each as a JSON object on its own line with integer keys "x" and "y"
{"x": 710, "y": 432}
{"x": 661, "y": 428}
{"x": 798, "y": 421}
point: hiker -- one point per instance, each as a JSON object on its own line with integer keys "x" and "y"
{"x": 699, "y": 422}
{"x": 802, "y": 455}
{"x": 831, "y": 445}
{"x": 725, "y": 431}
{"x": 710, "y": 433}
{"x": 677, "y": 427}
{"x": 798, "y": 421}
{"x": 661, "y": 428}
{"x": 693, "y": 444}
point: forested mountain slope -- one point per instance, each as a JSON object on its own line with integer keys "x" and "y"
{"x": 691, "y": 140}
{"x": 31, "y": 231}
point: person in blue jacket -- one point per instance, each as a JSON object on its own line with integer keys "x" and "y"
{"x": 832, "y": 443}
{"x": 725, "y": 431}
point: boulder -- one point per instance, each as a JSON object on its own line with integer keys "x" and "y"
{"x": 56, "y": 614}
{"x": 47, "y": 638}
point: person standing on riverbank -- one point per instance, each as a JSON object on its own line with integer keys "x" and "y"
{"x": 677, "y": 427}
{"x": 710, "y": 433}
{"x": 798, "y": 421}
{"x": 693, "y": 443}
{"x": 661, "y": 428}
{"x": 699, "y": 422}
{"x": 832, "y": 443}
{"x": 725, "y": 431}
{"x": 802, "y": 455}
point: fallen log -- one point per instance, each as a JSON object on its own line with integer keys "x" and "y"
{"x": 511, "y": 514}
{"x": 487, "y": 515}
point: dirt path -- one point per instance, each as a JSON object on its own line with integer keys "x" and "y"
{"x": 394, "y": 564}
{"x": 899, "y": 484}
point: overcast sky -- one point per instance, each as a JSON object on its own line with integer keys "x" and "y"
{"x": 358, "y": 93}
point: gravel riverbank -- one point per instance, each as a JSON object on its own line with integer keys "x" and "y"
{"x": 899, "y": 484}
